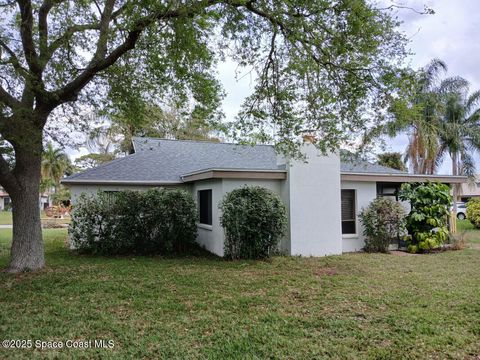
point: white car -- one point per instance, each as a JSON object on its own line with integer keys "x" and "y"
{"x": 461, "y": 210}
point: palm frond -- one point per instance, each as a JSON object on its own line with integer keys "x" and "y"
{"x": 431, "y": 73}
{"x": 440, "y": 156}
{"x": 468, "y": 165}
{"x": 473, "y": 102}
{"x": 454, "y": 84}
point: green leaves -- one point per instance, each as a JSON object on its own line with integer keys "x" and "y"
{"x": 427, "y": 220}
{"x": 392, "y": 160}
{"x": 383, "y": 223}
{"x": 254, "y": 219}
{"x": 159, "y": 221}
{"x": 317, "y": 66}
{"x": 473, "y": 211}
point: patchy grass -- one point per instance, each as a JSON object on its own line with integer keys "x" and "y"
{"x": 466, "y": 230}
{"x": 464, "y": 225}
{"x": 6, "y": 218}
{"x": 344, "y": 307}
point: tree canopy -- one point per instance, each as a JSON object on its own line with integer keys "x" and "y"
{"x": 392, "y": 160}
{"x": 315, "y": 62}
{"x": 318, "y": 66}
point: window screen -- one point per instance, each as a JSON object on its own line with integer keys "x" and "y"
{"x": 205, "y": 206}
{"x": 348, "y": 212}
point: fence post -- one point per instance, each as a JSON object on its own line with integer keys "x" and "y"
{"x": 453, "y": 222}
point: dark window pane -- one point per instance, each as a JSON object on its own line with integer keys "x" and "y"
{"x": 205, "y": 205}
{"x": 348, "y": 227}
{"x": 348, "y": 204}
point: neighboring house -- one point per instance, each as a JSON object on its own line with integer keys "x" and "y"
{"x": 6, "y": 201}
{"x": 323, "y": 196}
{"x": 470, "y": 189}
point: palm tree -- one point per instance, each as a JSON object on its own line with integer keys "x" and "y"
{"x": 459, "y": 127}
{"x": 420, "y": 118}
{"x": 54, "y": 165}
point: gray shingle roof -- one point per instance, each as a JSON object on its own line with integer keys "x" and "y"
{"x": 160, "y": 160}
{"x": 366, "y": 167}
{"x": 167, "y": 160}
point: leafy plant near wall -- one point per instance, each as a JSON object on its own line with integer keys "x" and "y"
{"x": 254, "y": 219}
{"x": 427, "y": 220}
{"x": 156, "y": 221}
{"x": 473, "y": 212}
{"x": 383, "y": 221}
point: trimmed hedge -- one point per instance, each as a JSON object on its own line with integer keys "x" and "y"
{"x": 254, "y": 219}
{"x": 473, "y": 212}
{"x": 383, "y": 221}
{"x": 158, "y": 221}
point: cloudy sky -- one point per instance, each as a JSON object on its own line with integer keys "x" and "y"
{"x": 451, "y": 34}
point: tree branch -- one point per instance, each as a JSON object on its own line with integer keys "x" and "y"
{"x": 43, "y": 28}
{"x": 69, "y": 92}
{"x": 8, "y": 99}
{"x": 71, "y": 30}
{"x": 26, "y": 29}
{"x": 14, "y": 59}
{"x": 54, "y": 45}
{"x": 104, "y": 29}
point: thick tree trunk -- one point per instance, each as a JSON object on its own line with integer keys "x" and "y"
{"x": 27, "y": 252}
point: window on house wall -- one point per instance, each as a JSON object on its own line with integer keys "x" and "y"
{"x": 388, "y": 190}
{"x": 348, "y": 212}
{"x": 205, "y": 206}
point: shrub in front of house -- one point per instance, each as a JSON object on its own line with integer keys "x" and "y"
{"x": 158, "y": 221}
{"x": 383, "y": 222}
{"x": 254, "y": 220}
{"x": 428, "y": 217}
{"x": 473, "y": 212}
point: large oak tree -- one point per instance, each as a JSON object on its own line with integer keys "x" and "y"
{"x": 317, "y": 64}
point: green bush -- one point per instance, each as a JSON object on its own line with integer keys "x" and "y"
{"x": 254, "y": 220}
{"x": 156, "y": 221}
{"x": 473, "y": 212}
{"x": 427, "y": 220}
{"x": 383, "y": 221}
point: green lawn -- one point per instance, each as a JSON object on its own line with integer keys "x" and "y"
{"x": 5, "y": 218}
{"x": 467, "y": 230}
{"x": 344, "y": 307}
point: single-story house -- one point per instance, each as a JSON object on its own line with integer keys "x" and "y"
{"x": 470, "y": 189}
{"x": 323, "y": 196}
{"x": 6, "y": 201}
